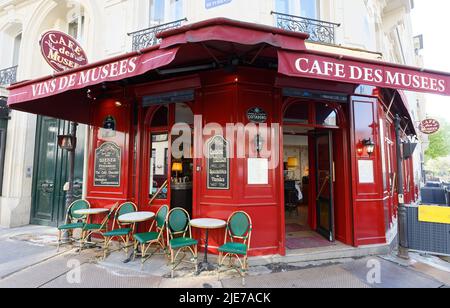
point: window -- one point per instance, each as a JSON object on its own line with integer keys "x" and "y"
{"x": 159, "y": 158}
{"x": 76, "y": 28}
{"x": 326, "y": 115}
{"x": 16, "y": 52}
{"x": 303, "y": 8}
{"x": 176, "y": 8}
{"x": 312, "y": 114}
{"x": 309, "y": 8}
{"x": 157, "y": 12}
{"x": 282, "y": 6}
{"x": 297, "y": 113}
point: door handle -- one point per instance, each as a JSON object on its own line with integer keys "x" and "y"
{"x": 47, "y": 187}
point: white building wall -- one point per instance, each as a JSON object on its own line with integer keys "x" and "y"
{"x": 365, "y": 25}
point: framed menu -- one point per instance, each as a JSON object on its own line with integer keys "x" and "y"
{"x": 107, "y": 166}
{"x": 218, "y": 164}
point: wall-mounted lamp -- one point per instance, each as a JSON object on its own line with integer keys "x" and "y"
{"x": 369, "y": 145}
{"x": 67, "y": 142}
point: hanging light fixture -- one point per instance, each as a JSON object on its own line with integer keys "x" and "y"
{"x": 67, "y": 142}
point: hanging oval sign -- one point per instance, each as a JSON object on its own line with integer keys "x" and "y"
{"x": 257, "y": 115}
{"x": 61, "y": 51}
{"x": 429, "y": 126}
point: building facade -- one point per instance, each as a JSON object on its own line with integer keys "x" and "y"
{"x": 35, "y": 169}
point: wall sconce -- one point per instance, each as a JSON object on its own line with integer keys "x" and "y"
{"x": 67, "y": 142}
{"x": 369, "y": 145}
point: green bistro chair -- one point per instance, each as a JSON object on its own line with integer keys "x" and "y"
{"x": 237, "y": 243}
{"x": 179, "y": 238}
{"x": 90, "y": 228}
{"x": 121, "y": 231}
{"x": 73, "y": 221}
{"x": 154, "y": 237}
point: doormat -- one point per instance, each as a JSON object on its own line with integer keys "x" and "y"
{"x": 296, "y": 228}
{"x": 307, "y": 242}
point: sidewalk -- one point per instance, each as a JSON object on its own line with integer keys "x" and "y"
{"x": 72, "y": 270}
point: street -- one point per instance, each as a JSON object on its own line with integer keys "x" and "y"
{"x": 29, "y": 260}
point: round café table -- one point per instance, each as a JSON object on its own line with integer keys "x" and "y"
{"x": 88, "y": 213}
{"x": 133, "y": 219}
{"x": 207, "y": 224}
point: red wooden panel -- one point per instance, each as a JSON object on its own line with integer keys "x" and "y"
{"x": 368, "y": 202}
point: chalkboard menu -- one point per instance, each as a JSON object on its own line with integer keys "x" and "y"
{"x": 107, "y": 165}
{"x": 218, "y": 170}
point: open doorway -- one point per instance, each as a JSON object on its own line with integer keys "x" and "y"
{"x": 309, "y": 175}
{"x": 169, "y": 156}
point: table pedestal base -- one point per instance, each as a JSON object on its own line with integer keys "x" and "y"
{"x": 206, "y": 267}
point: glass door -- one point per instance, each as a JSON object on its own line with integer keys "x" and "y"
{"x": 324, "y": 184}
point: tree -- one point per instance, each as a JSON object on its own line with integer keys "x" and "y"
{"x": 439, "y": 168}
{"x": 439, "y": 142}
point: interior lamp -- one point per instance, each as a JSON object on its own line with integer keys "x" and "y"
{"x": 293, "y": 162}
{"x": 177, "y": 167}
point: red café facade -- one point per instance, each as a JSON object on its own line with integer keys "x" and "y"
{"x": 223, "y": 71}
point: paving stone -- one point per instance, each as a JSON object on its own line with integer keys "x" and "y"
{"x": 324, "y": 277}
{"x": 17, "y": 255}
{"x": 44, "y": 272}
{"x": 94, "y": 276}
{"x": 392, "y": 275}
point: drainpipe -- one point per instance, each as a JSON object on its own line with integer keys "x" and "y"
{"x": 402, "y": 211}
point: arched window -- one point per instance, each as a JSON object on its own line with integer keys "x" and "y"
{"x": 298, "y": 113}
{"x": 326, "y": 115}
{"x": 161, "y": 117}
{"x": 311, "y": 114}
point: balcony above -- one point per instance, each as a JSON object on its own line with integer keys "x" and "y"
{"x": 147, "y": 37}
{"x": 319, "y": 31}
{"x": 8, "y": 76}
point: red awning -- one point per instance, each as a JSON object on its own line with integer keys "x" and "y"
{"x": 35, "y": 95}
{"x": 64, "y": 94}
{"x": 325, "y": 66}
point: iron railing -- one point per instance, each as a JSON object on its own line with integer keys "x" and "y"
{"x": 318, "y": 30}
{"x": 8, "y": 76}
{"x": 147, "y": 37}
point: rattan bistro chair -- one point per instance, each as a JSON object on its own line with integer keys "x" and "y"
{"x": 73, "y": 221}
{"x": 90, "y": 228}
{"x": 121, "y": 231}
{"x": 179, "y": 238}
{"x": 154, "y": 237}
{"x": 237, "y": 243}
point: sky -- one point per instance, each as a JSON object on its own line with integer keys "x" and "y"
{"x": 430, "y": 18}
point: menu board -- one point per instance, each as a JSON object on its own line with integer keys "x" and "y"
{"x": 218, "y": 169}
{"x": 107, "y": 165}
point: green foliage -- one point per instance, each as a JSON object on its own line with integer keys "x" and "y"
{"x": 439, "y": 168}
{"x": 439, "y": 143}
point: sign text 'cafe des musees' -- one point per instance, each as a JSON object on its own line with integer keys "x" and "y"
{"x": 373, "y": 74}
